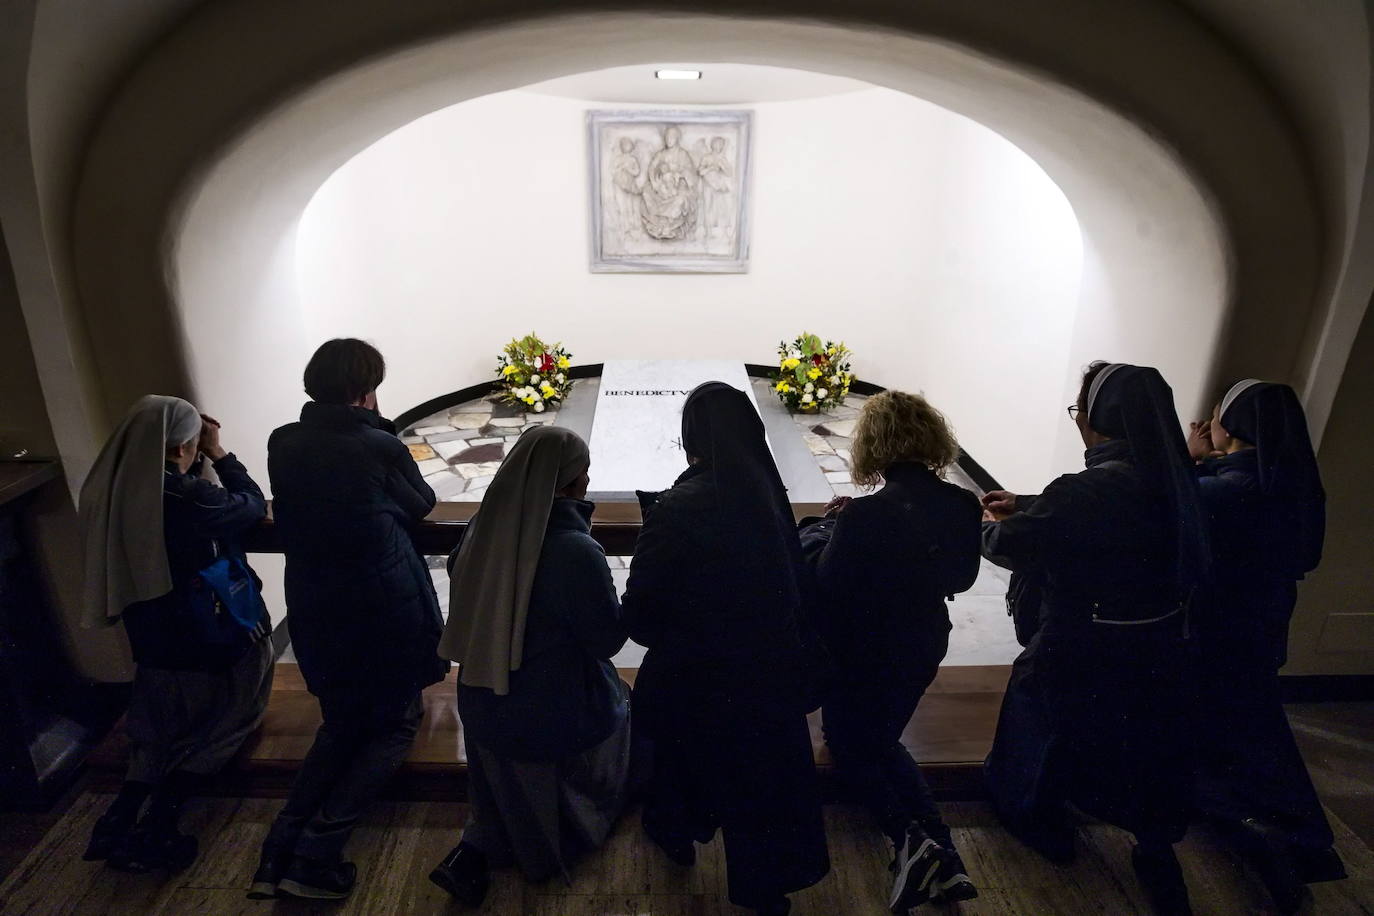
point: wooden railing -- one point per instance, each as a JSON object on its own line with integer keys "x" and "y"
{"x": 615, "y": 525}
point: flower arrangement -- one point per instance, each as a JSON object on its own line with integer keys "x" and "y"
{"x": 812, "y": 375}
{"x": 532, "y": 373}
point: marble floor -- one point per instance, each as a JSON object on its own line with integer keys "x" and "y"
{"x": 459, "y": 450}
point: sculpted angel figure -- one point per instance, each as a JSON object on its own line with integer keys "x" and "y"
{"x": 625, "y": 181}
{"x": 716, "y": 174}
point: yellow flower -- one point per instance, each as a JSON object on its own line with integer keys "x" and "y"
{"x": 547, "y": 390}
{"x": 830, "y": 350}
{"x": 813, "y": 373}
{"x": 529, "y": 400}
{"x": 791, "y": 363}
{"x": 564, "y": 362}
{"x": 783, "y": 386}
{"x": 507, "y": 369}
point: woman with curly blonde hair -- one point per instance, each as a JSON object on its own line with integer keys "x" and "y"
{"x": 885, "y": 564}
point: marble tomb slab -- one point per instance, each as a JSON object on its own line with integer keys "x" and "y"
{"x": 479, "y": 454}
{"x": 468, "y": 420}
{"x": 638, "y": 420}
{"x": 447, "y": 450}
{"x": 486, "y": 469}
{"x": 446, "y": 485}
{"x": 420, "y": 451}
{"x": 432, "y": 465}
{"x": 449, "y": 437}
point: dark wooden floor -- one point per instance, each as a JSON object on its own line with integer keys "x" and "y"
{"x": 401, "y": 841}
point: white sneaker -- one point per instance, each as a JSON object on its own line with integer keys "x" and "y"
{"x": 951, "y": 880}
{"x": 917, "y": 861}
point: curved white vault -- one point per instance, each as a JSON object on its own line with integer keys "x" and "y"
{"x": 1153, "y": 285}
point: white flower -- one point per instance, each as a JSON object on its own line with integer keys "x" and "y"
{"x": 834, "y": 379}
{"x": 562, "y": 378}
{"x": 806, "y": 399}
{"x": 809, "y": 387}
{"x": 538, "y": 406}
{"x": 534, "y": 380}
{"x": 822, "y": 394}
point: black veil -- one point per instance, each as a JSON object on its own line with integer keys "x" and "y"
{"x": 1270, "y": 417}
{"x": 722, "y": 430}
{"x": 1134, "y": 403}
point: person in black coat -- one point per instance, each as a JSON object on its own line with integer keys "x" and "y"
{"x": 884, "y": 566}
{"x": 1096, "y": 712}
{"x": 1264, "y": 499}
{"x": 715, "y": 594}
{"x": 364, "y": 617}
{"x": 204, "y": 668}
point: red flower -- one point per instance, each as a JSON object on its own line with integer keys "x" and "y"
{"x": 818, "y": 359}
{"x": 545, "y": 364}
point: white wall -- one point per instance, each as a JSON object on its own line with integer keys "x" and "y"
{"x": 941, "y": 253}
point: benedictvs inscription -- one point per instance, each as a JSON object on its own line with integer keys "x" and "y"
{"x": 647, "y": 392}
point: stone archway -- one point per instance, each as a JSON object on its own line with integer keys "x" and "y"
{"x": 247, "y": 124}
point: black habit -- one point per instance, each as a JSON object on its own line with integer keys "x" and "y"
{"x": 1267, "y": 511}
{"x": 1096, "y": 709}
{"x": 715, "y": 593}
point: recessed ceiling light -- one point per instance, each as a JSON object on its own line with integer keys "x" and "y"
{"x": 678, "y": 74}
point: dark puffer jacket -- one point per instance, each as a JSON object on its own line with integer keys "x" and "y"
{"x": 361, "y": 604}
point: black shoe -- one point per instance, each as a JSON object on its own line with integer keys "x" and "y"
{"x": 1317, "y": 865}
{"x": 681, "y": 852}
{"x": 951, "y": 880}
{"x": 1158, "y": 870}
{"x": 271, "y": 869}
{"x": 915, "y": 865}
{"x": 780, "y": 907}
{"x": 107, "y": 834}
{"x": 464, "y": 875}
{"x": 1266, "y": 848}
{"x": 1055, "y": 844}
{"x": 311, "y": 879}
{"x": 148, "y": 849}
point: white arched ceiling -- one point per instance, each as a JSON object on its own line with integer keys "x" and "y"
{"x": 877, "y": 218}
{"x": 1155, "y": 278}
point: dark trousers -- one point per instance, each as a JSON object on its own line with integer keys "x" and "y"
{"x": 863, "y": 724}
{"x": 360, "y": 744}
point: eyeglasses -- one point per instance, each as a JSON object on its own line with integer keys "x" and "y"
{"x": 1073, "y": 411}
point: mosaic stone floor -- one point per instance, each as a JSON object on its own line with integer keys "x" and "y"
{"x": 459, "y": 450}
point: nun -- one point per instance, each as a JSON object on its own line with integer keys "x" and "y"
{"x": 1095, "y": 710}
{"x": 533, "y": 622}
{"x": 1267, "y": 509}
{"x": 715, "y": 593}
{"x": 161, "y": 541}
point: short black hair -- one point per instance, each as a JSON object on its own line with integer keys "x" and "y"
{"x": 344, "y": 370}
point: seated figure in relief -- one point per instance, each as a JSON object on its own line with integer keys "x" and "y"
{"x": 158, "y": 536}
{"x": 885, "y": 565}
{"x": 534, "y": 620}
{"x": 670, "y": 192}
